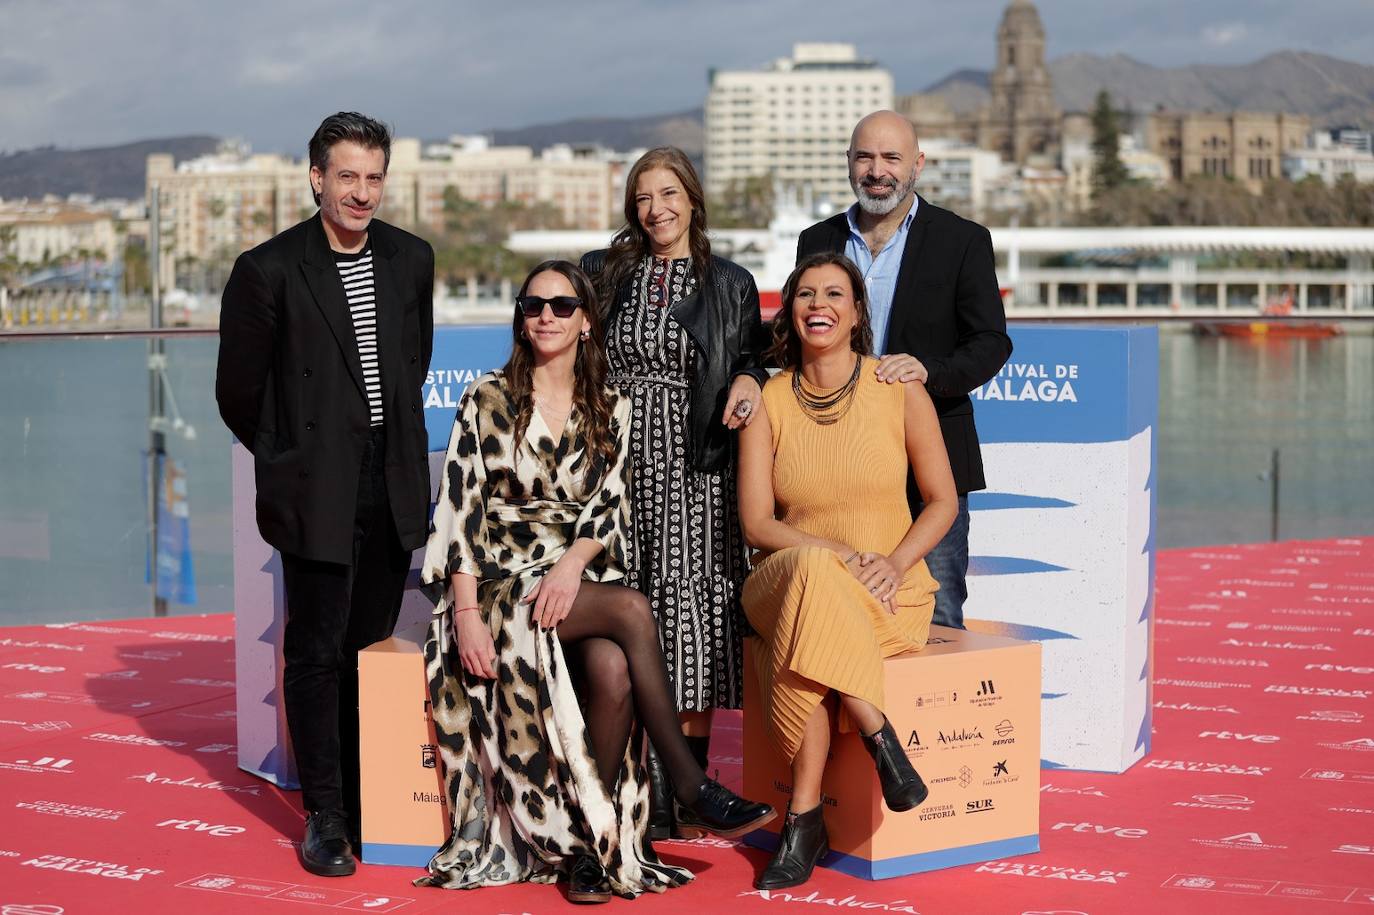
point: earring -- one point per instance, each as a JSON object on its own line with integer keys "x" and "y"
{"x": 586, "y": 335}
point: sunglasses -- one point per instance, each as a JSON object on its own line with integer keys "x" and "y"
{"x": 532, "y": 306}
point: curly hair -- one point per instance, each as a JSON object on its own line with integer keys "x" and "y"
{"x": 785, "y": 350}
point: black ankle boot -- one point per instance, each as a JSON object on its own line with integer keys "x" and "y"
{"x": 721, "y": 812}
{"x": 902, "y": 786}
{"x": 587, "y": 881}
{"x": 326, "y": 850}
{"x": 660, "y": 799}
{"x": 803, "y": 844}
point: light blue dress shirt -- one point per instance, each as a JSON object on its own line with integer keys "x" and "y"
{"x": 880, "y": 273}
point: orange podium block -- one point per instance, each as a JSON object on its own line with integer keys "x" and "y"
{"x": 968, "y": 709}
{"x": 405, "y": 813}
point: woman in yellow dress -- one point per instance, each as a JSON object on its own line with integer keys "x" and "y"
{"x": 840, "y": 582}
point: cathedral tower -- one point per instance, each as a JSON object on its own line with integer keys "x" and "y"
{"x": 1022, "y": 118}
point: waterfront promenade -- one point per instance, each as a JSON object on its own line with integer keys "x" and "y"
{"x": 117, "y": 765}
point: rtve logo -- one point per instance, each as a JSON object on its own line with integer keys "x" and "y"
{"x": 198, "y": 826}
{"x": 1122, "y": 832}
{"x": 1236, "y": 735}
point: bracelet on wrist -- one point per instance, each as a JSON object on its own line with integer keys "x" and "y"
{"x": 458, "y": 610}
{"x": 852, "y": 557}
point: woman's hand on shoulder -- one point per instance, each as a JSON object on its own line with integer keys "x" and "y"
{"x": 554, "y": 594}
{"x": 473, "y": 639}
{"x": 901, "y": 367}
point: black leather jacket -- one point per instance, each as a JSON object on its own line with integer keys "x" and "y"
{"x": 722, "y": 318}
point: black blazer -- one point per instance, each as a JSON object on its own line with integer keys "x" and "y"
{"x": 722, "y": 318}
{"x": 946, "y": 311}
{"x": 290, "y": 384}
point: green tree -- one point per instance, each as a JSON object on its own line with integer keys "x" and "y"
{"x": 1108, "y": 172}
{"x": 747, "y": 204}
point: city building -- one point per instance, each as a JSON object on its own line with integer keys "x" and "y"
{"x": 1247, "y": 146}
{"x": 50, "y": 230}
{"x": 1330, "y": 159}
{"x": 960, "y": 176}
{"x": 1020, "y": 120}
{"x": 792, "y": 120}
{"x": 1079, "y": 162}
{"x": 216, "y": 206}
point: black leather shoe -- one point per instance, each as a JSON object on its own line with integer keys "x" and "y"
{"x": 326, "y": 850}
{"x": 660, "y": 799}
{"x": 803, "y": 844}
{"x": 720, "y": 812}
{"x": 587, "y": 881}
{"x": 902, "y": 786}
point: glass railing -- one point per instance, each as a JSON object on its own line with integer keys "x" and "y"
{"x": 74, "y": 439}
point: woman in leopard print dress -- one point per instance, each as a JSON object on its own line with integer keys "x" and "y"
{"x": 530, "y": 529}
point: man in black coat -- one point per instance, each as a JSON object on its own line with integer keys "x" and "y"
{"x": 935, "y": 306}
{"x": 325, "y": 339}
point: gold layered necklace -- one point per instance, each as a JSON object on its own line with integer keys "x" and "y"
{"x": 827, "y": 408}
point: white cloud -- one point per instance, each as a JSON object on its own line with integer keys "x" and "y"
{"x": 1224, "y": 34}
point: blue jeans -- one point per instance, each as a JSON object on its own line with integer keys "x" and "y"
{"x": 948, "y": 563}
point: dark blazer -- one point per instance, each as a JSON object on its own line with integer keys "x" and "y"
{"x": 946, "y": 311}
{"x": 722, "y": 318}
{"x": 290, "y": 384}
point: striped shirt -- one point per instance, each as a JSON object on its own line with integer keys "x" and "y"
{"x": 356, "y": 272}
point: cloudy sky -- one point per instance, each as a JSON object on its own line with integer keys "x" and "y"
{"x": 93, "y": 72}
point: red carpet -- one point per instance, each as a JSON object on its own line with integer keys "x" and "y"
{"x": 120, "y": 792}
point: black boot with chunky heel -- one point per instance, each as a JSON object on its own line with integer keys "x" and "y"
{"x": 660, "y": 800}
{"x": 802, "y": 845}
{"x": 902, "y": 785}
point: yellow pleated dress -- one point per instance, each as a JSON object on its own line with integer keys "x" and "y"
{"x": 819, "y": 628}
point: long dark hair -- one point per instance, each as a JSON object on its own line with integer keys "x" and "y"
{"x": 631, "y": 243}
{"x": 589, "y": 369}
{"x": 786, "y": 348}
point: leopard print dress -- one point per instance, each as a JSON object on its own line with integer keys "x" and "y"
{"x": 522, "y": 787}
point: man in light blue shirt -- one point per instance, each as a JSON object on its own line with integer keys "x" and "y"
{"x": 935, "y": 308}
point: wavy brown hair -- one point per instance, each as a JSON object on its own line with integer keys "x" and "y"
{"x": 631, "y": 244}
{"x": 786, "y": 349}
{"x": 589, "y": 369}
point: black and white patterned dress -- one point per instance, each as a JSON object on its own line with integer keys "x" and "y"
{"x": 689, "y": 553}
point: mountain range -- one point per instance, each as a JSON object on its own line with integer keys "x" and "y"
{"x": 1330, "y": 90}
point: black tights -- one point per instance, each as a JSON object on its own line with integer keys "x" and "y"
{"x": 616, "y": 638}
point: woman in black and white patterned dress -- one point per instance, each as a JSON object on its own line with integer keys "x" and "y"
{"x": 682, "y": 343}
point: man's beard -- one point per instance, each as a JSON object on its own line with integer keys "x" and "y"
{"x": 881, "y": 206}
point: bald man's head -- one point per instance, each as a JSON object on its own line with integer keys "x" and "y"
{"x": 885, "y": 160}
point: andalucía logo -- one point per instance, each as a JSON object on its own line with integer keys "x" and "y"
{"x": 42, "y": 764}
{"x": 90, "y": 866}
{"x": 1359, "y": 745}
{"x": 1190, "y": 707}
{"x": 960, "y": 737}
{"x": 1249, "y": 840}
{"x": 153, "y": 778}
